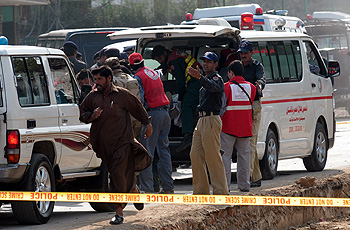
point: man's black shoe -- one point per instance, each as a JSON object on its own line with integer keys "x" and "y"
{"x": 139, "y": 206}
{"x": 186, "y": 143}
{"x": 255, "y": 184}
{"x": 116, "y": 220}
{"x": 244, "y": 190}
{"x": 156, "y": 188}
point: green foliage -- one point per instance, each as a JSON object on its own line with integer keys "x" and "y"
{"x": 136, "y": 13}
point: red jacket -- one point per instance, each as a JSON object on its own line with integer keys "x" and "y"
{"x": 154, "y": 91}
{"x": 238, "y": 119}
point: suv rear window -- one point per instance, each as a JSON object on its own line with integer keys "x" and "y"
{"x": 31, "y": 82}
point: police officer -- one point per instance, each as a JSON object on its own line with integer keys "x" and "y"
{"x": 205, "y": 150}
{"x": 253, "y": 73}
{"x": 177, "y": 63}
{"x": 71, "y": 50}
{"x": 129, "y": 50}
{"x": 101, "y": 59}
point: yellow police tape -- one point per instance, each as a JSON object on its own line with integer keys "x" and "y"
{"x": 343, "y": 122}
{"x": 174, "y": 199}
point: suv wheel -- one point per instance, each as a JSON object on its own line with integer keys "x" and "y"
{"x": 39, "y": 178}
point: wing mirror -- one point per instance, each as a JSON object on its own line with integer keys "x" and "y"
{"x": 333, "y": 68}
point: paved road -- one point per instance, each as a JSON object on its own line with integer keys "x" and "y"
{"x": 82, "y": 216}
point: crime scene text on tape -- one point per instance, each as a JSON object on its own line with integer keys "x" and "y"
{"x": 174, "y": 199}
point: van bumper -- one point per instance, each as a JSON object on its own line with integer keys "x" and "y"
{"x": 12, "y": 173}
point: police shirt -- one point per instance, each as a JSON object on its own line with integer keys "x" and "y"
{"x": 77, "y": 64}
{"x": 210, "y": 95}
{"x": 254, "y": 72}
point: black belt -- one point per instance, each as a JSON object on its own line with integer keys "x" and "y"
{"x": 207, "y": 113}
{"x": 158, "y": 108}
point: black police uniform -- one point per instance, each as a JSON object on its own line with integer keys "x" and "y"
{"x": 210, "y": 95}
{"x": 254, "y": 72}
{"x": 206, "y": 146}
{"x": 77, "y": 64}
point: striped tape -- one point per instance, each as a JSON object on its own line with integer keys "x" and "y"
{"x": 174, "y": 199}
{"x": 343, "y": 122}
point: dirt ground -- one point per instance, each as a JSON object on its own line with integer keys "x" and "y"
{"x": 342, "y": 222}
{"x": 209, "y": 217}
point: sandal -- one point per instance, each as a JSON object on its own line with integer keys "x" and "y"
{"x": 116, "y": 220}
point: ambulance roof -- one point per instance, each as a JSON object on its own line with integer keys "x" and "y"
{"x": 254, "y": 35}
{"x": 225, "y": 11}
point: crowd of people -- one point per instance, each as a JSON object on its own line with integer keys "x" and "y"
{"x": 129, "y": 113}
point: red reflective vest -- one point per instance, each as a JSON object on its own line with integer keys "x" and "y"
{"x": 190, "y": 61}
{"x": 154, "y": 91}
{"x": 238, "y": 119}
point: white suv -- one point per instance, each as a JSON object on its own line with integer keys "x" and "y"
{"x": 45, "y": 146}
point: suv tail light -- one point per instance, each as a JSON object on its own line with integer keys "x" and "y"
{"x": 12, "y": 147}
{"x": 247, "y": 21}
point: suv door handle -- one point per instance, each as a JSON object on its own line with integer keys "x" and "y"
{"x": 64, "y": 120}
{"x": 313, "y": 85}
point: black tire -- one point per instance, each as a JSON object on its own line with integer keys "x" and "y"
{"x": 269, "y": 163}
{"x": 39, "y": 178}
{"x": 102, "y": 183}
{"x": 317, "y": 160}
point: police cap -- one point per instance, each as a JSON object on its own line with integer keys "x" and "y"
{"x": 70, "y": 44}
{"x": 245, "y": 46}
{"x": 112, "y": 52}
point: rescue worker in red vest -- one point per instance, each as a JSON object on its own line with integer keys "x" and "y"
{"x": 157, "y": 105}
{"x": 237, "y": 124}
{"x": 177, "y": 63}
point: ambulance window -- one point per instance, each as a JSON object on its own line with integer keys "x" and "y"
{"x": 256, "y": 52}
{"x": 291, "y": 61}
{"x": 282, "y": 57}
{"x": 273, "y": 57}
{"x": 234, "y": 23}
{"x": 266, "y": 61}
{"x": 297, "y": 56}
{"x": 258, "y": 28}
{"x": 32, "y": 88}
{"x": 66, "y": 90}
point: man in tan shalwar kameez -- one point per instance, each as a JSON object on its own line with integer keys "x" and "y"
{"x": 107, "y": 107}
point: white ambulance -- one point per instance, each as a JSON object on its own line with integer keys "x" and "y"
{"x": 297, "y": 113}
{"x": 249, "y": 17}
